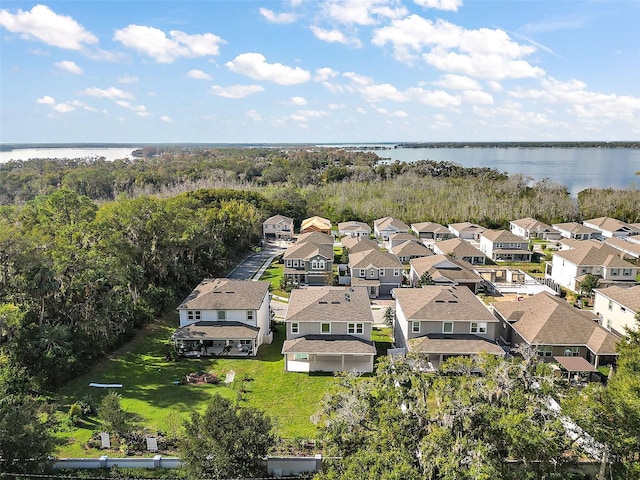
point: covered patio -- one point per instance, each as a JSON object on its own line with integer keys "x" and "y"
{"x": 577, "y": 367}
{"x": 328, "y": 353}
{"x": 216, "y": 339}
{"x": 440, "y": 346}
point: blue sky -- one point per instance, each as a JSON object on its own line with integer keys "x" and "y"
{"x": 319, "y": 71}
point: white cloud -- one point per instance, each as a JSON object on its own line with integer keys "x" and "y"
{"x": 451, "y": 5}
{"x": 139, "y": 110}
{"x": 46, "y": 100}
{"x": 254, "y": 65}
{"x": 198, "y": 75}
{"x": 336, "y": 106}
{"x": 300, "y": 101}
{"x": 325, "y": 73}
{"x": 111, "y": 93}
{"x": 477, "y": 97}
{"x": 400, "y": 114}
{"x": 43, "y": 24}
{"x": 126, "y": 79}
{"x": 457, "y": 82}
{"x": 484, "y": 53}
{"x": 166, "y": 119}
{"x": 236, "y": 91}
{"x": 69, "y": 66}
{"x": 63, "y": 108}
{"x": 382, "y": 111}
{"x": 362, "y": 12}
{"x": 434, "y": 98}
{"x": 440, "y": 121}
{"x": 254, "y": 115}
{"x": 154, "y": 43}
{"x": 333, "y": 36}
{"x": 281, "y": 18}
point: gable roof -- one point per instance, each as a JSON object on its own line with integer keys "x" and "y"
{"x": 226, "y": 294}
{"x": 411, "y": 247}
{"x": 307, "y": 250}
{"x": 466, "y": 227}
{"x": 424, "y": 227}
{"x": 276, "y": 219}
{"x": 443, "y": 267}
{"x": 625, "y": 246}
{"x": 390, "y": 222}
{"x": 501, "y": 236}
{"x": 403, "y": 236}
{"x": 595, "y": 254}
{"x": 353, "y": 226}
{"x": 627, "y": 297}
{"x": 459, "y": 247}
{"x": 544, "y": 319}
{"x": 355, "y": 245}
{"x": 442, "y": 303}
{"x": 329, "y": 304}
{"x": 531, "y": 225}
{"x": 319, "y": 222}
{"x": 315, "y": 237}
{"x": 575, "y": 228}
{"x": 375, "y": 258}
{"x": 609, "y": 224}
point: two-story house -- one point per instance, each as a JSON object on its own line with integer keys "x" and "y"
{"x": 409, "y": 249}
{"x": 354, "y": 229}
{"x": 278, "y": 227}
{"x": 398, "y": 238}
{"x": 461, "y": 249}
{"x": 555, "y": 329}
{"x": 443, "y": 321}
{"x": 309, "y": 261}
{"x": 384, "y": 227}
{"x": 625, "y": 245}
{"x": 444, "y": 270}
{"x": 354, "y": 245}
{"x": 569, "y": 267}
{"x": 502, "y": 245}
{"x": 431, "y": 231}
{"x": 530, "y": 228}
{"x": 316, "y": 224}
{"x": 617, "y": 308}
{"x": 576, "y": 231}
{"x": 224, "y": 316}
{"x": 329, "y": 330}
{"x": 378, "y": 271}
{"x": 611, "y": 227}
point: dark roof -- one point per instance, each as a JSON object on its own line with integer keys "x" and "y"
{"x": 216, "y": 331}
{"x": 454, "y": 344}
{"x": 336, "y": 344}
{"x": 575, "y": 364}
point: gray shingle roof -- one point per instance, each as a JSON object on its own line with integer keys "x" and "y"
{"x": 216, "y": 331}
{"x": 627, "y": 297}
{"x": 226, "y": 294}
{"x": 335, "y": 344}
{"x": 454, "y": 344}
{"x": 459, "y": 247}
{"x": 442, "y": 303}
{"x": 335, "y": 304}
{"x": 376, "y": 258}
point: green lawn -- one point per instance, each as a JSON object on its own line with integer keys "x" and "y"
{"x": 274, "y": 274}
{"x": 149, "y": 392}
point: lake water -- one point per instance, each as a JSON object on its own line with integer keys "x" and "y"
{"x": 110, "y": 153}
{"x": 575, "y": 168}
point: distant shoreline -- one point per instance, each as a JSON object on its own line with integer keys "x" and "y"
{"x": 357, "y": 145}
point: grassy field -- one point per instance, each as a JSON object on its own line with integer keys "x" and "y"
{"x": 149, "y": 392}
{"x": 274, "y": 274}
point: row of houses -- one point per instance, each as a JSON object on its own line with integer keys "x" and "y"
{"x": 329, "y": 328}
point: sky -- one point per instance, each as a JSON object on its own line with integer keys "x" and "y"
{"x": 319, "y": 71}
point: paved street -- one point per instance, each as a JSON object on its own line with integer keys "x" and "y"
{"x": 251, "y": 265}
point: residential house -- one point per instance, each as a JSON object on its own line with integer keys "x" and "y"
{"x": 354, "y": 229}
{"x": 530, "y": 228}
{"x": 466, "y": 230}
{"x": 431, "y": 231}
{"x": 445, "y": 270}
{"x": 398, "y": 238}
{"x": 576, "y": 231}
{"x": 555, "y": 329}
{"x": 611, "y": 227}
{"x": 384, "y": 227}
{"x": 410, "y": 249}
{"x": 502, "y": 245}
{"x": 309, "y": 261}
{"x": 569, "y": 267}
{"x": 355, "y": 245}
{"x": 617, "y": 307}
{"x": 328, "y": 330}
{"x": 278, "y": 227}
{"x": 626, "y": 246}
{"x": 377, "y": 270}
{"x": 316, "y": 224}
{"x": 458, "y": 248}
{"x": 224, "y": 316}
{"x": 442, "y": 322}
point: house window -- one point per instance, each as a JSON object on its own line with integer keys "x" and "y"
{"x": 194, "y": 315}
{"x": 301, "y": 356}
{"x": 294, "y": 327}
{"x": 362, "y": 272}
{"x": 357, "y": 328}
{"x": 415, "y": 327}
{"x": 321, "y": 264}
{"x": 373, "y": 272}
{"x": 478, "y": 327}
{"x": 222, "y": 315}
{"x": 544, "y": 350}
{"x": 381, "y": 272}
{"x": 626, "y": 272}
{"x": 314, "y": 264}
{"x": 572, "y": 352}
{"x": 325, "y": 328}
{"x": 447, "y": 327}
{"x": 396, "y": 272}
{"x": 289, "y": 263}
{"x": 610, "y": 304}
{"x": 615, "y": 272}
{"x": 608, "y": 324}
{"x": 249, "y": 315}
